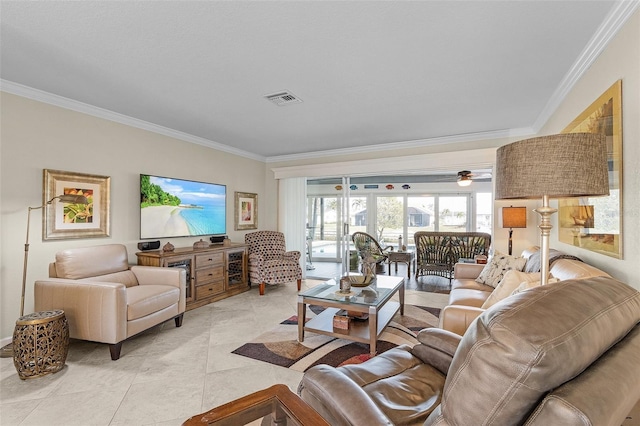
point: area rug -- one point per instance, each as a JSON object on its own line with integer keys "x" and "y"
{"x": 280, "y": 346}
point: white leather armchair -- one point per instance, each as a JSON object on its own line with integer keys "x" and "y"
{"x": 107, "y": 301}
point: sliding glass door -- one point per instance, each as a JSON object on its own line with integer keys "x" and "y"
{"x": 420, "y": 216}
{"x": 324, "y": 228}
{"x": 389, "y": 224}
{"x": 404, "y": 215}
{"x": 453, "y": 213}
{"x": 328, "y": 221}
{"x": 335, "y": 212}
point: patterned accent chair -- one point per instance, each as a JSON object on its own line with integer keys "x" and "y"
{"x": 366, "y": 244}
{"x": 269, "y": 262}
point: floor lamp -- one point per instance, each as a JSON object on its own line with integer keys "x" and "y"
{"x": 555, "y": 166}
{"x": 7, "y": 351}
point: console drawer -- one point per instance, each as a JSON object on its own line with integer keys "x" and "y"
{"x": 209, "y": 259}
{"x": 209, "y": 274}
{"x": 206, "y": 290}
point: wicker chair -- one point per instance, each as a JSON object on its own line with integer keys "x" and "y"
{"x": 365, "y": 243}
{"x": 438, "y": 252}
{"x": 269, "y": 262}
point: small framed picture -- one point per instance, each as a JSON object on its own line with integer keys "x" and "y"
{"x": 246, "y": 211}
{"x": 86, "y": 219}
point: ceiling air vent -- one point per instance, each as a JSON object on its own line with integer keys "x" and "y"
{"x": 283, "y": 98}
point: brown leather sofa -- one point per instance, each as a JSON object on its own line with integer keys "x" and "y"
{"x": 467, "y": 295}
{"x": 107, "y": 301}
{"x": 561, "y": 354}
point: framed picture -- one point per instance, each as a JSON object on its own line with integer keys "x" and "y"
{"x": 246, "y": 211}
{"x": 62, "y": 220}
{"x": 595, "y": 223}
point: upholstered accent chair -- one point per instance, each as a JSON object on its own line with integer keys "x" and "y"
{"x": 269, "y": 260}
{"x": 365, "y": 245}
{"x": 107, "y": 301}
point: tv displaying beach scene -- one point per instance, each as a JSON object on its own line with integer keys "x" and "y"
{"x": 172, "y": 207}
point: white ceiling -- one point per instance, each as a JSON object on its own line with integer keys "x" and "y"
{"x": 386, "y": 73}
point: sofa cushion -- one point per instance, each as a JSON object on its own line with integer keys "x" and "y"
{"x": 605, "y": 391}
{"x": 143, "y": 300}
{"x": 127, "y": 278}
{"x": 522, "y": 348}
{"x": 526, "y": 285}
{"x": 470, "y": 284}
{"x": 468, "y": 297}
{"x": 497, "y": 266}
{"x": 417, "y": 387}
{"x": 508, "y": 284}
{"x": 85, "y": 262}
{"x": 533, "y": 261}
{"x": 566, "y": 269}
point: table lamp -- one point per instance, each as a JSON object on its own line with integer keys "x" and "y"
{"x": 555, "y": 166}
{"x": 513, "y": 217}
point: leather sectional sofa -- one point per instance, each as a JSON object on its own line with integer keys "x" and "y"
{"x": 561, "y": 354}
{"x": 467, "y": 295}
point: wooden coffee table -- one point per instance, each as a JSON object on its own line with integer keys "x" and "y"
{"x": 374, "y": 300}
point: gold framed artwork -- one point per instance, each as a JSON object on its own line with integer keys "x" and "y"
{"x": 595, "y": 223}
{"x": 246, "y": 211}
{"x": 67, "y": 220}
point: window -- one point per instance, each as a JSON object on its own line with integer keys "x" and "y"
{"x": 484, "y": 212}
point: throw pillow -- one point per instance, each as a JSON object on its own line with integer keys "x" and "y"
{"x": 527, "y": 285}
{"x": 511, "y": 281}
{"x": 499, "y": 264}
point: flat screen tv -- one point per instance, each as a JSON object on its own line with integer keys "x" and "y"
{"x": 181, "y": 208}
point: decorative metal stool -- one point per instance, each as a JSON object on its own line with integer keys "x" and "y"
{"x": 40, "y": 343}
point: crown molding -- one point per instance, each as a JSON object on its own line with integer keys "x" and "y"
{"x": 411, "y": 164}
{"x": 70, "y": 104}
{"x": 81, "y": 107}
{"x": 616, "y": 19}
{"x": 419, "y": 143}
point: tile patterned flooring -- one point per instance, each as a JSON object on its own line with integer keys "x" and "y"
{"x": 166, "y": 374}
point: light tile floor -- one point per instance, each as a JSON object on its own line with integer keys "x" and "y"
{"x": 166, "y": 374}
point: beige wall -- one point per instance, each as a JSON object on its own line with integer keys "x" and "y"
{"x": 37, "y": 136}
{"x": 621, "y": 60}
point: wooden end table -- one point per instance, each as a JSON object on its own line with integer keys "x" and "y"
{"x": 401, "y": 256}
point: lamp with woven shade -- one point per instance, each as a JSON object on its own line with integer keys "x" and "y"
{"x": 555, "y": 166}
{"x": 513, "y": 217}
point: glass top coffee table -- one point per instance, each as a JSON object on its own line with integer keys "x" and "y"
{"x": 374, "y": 301}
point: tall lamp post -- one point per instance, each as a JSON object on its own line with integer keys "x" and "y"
{"x": 7, "y": 351}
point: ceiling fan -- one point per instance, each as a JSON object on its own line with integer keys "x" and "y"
{"x": 465, "y": 177}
